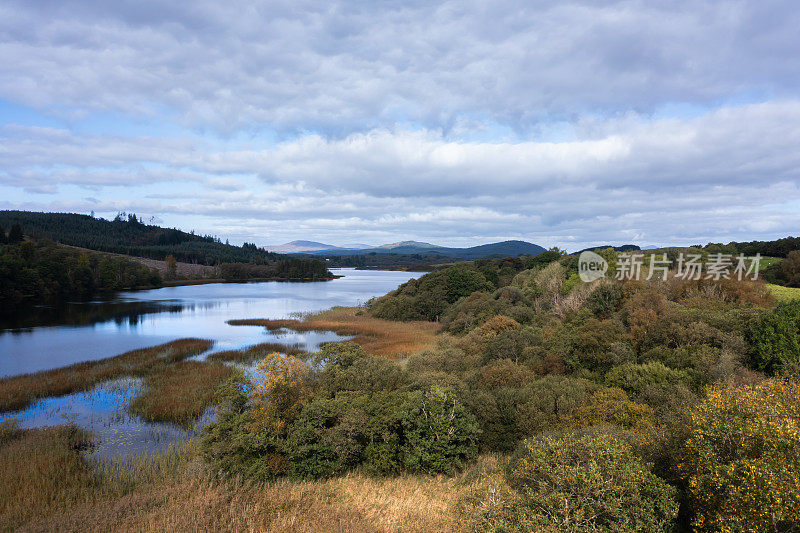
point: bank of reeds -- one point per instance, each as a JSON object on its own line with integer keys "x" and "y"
{"x": 255, "y": 353}
{"x": 181, "y": 392}
{"x": 382, "y": 338}
{"x": 17, "y": 392}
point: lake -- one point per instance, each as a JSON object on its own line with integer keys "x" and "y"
{"x": 42, "y": 339}
{"x": 47, "y": 338}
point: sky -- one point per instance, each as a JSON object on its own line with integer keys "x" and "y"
{"x": 565, "y": 123}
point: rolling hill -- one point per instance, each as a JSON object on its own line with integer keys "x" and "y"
{"x": 497, "y": 249}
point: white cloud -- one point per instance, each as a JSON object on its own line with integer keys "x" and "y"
{"x": 345, "y": 66}
{"x": 731, "y": 173}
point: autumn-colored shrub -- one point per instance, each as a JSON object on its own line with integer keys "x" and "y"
{"x": 505, "y": 373}
{"x": 741, "y": 461}
{"x": 611, "y": 406}
{"x": 280, "y": 388}
{"x": 497, "y": 325}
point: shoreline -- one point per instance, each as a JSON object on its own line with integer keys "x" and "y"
{"x": 206, "y": 281}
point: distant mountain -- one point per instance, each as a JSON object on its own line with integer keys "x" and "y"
{"x": 296, "y": 247}
{"x": 409, "y": 244}
{"x": 497, "y": 249}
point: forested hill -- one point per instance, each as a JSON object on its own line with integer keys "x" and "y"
{"x": 128, "y": 235}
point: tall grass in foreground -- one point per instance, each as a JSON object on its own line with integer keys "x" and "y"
{"x": 181, "y": 392}
{"x": 18, "y": 392}
{"x": 381, "y": 338}
{"x": 46, "y": 484}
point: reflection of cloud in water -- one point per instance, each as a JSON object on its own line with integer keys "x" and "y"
{"x": 139, "y": 319}
{"x": 103, "y": 411}
{"x": 118, "y": 433}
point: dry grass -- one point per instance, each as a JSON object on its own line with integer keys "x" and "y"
{"x": 46, "y": 485}
{"x": 255, "y": 353}
{"x": 381, "y": 338}
{"x": 181, "y": 392}
{"x": 18, "y": 392}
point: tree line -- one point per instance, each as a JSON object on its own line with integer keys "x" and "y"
{"x": 42, "y": 272}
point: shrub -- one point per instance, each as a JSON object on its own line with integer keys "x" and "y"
{"x": 422, "y": 431}
{"x": 496, "y": 413}
{"x": 776, "y": 339}
{"x": 634, "y": 378}
{"x": 596, "y": 345}
{"x": 366, "y": 373}
{"x": 546, "y": 401}
{"x": 584, "y": 483}
{"x": 235, "y": 444}
{"x": 505, "y": 373}
{"x": 327, "y": 438}
{"x": 605, "y": 300}
{"x": 280, "y": 388}
{"x": 612, "y": 406}
{"x": 440, "y": 435}
{"x": 742, "y": 458}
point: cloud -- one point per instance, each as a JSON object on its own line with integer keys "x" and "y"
{"x": 350, "y": 66}
{"x": 730, "y": 173}
{"x": 562, "y": 122}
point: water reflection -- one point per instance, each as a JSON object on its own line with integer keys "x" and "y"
{"x": 103, "y": 410}
{"x": 50, "y": 338}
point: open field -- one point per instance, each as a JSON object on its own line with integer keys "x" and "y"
{"x": 189, "y": 270}
{"x": 381, "y": 338}
{"x": 48, "y": 485}
{"x": 18, "y": 392}
{"x": 783, "y": 294}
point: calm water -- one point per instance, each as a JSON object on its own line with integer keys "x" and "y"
{"x": 84, "y": 332}
{"x": 138, "y": 319}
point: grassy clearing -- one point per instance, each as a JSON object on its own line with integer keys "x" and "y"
{"x": 783, "y": 294}
{"x": 46, "y": 485}
{"x": 18, "y": 392}
{"x": 381, "y": 338}
{"x": 181, "y": 392}
{"x": 255, "y": 353}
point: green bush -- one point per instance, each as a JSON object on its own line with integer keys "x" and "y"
{"x": 588, "y": 483}
{"x": 605, "y": 300}
{"x": 346, "y": 367}
{"x": 544, "y": 403}
{"x": 440, "y": 435}
{"x": 328, "y": 437}
{"x": 236, "y": 444}
{"x": 776, "y": 339}
{"x": 385, "y": 432}
{"x": 633, "y": 378}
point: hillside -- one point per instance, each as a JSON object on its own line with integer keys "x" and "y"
{"x": 129, "y": 236}
{"x": 432, "y": 252}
